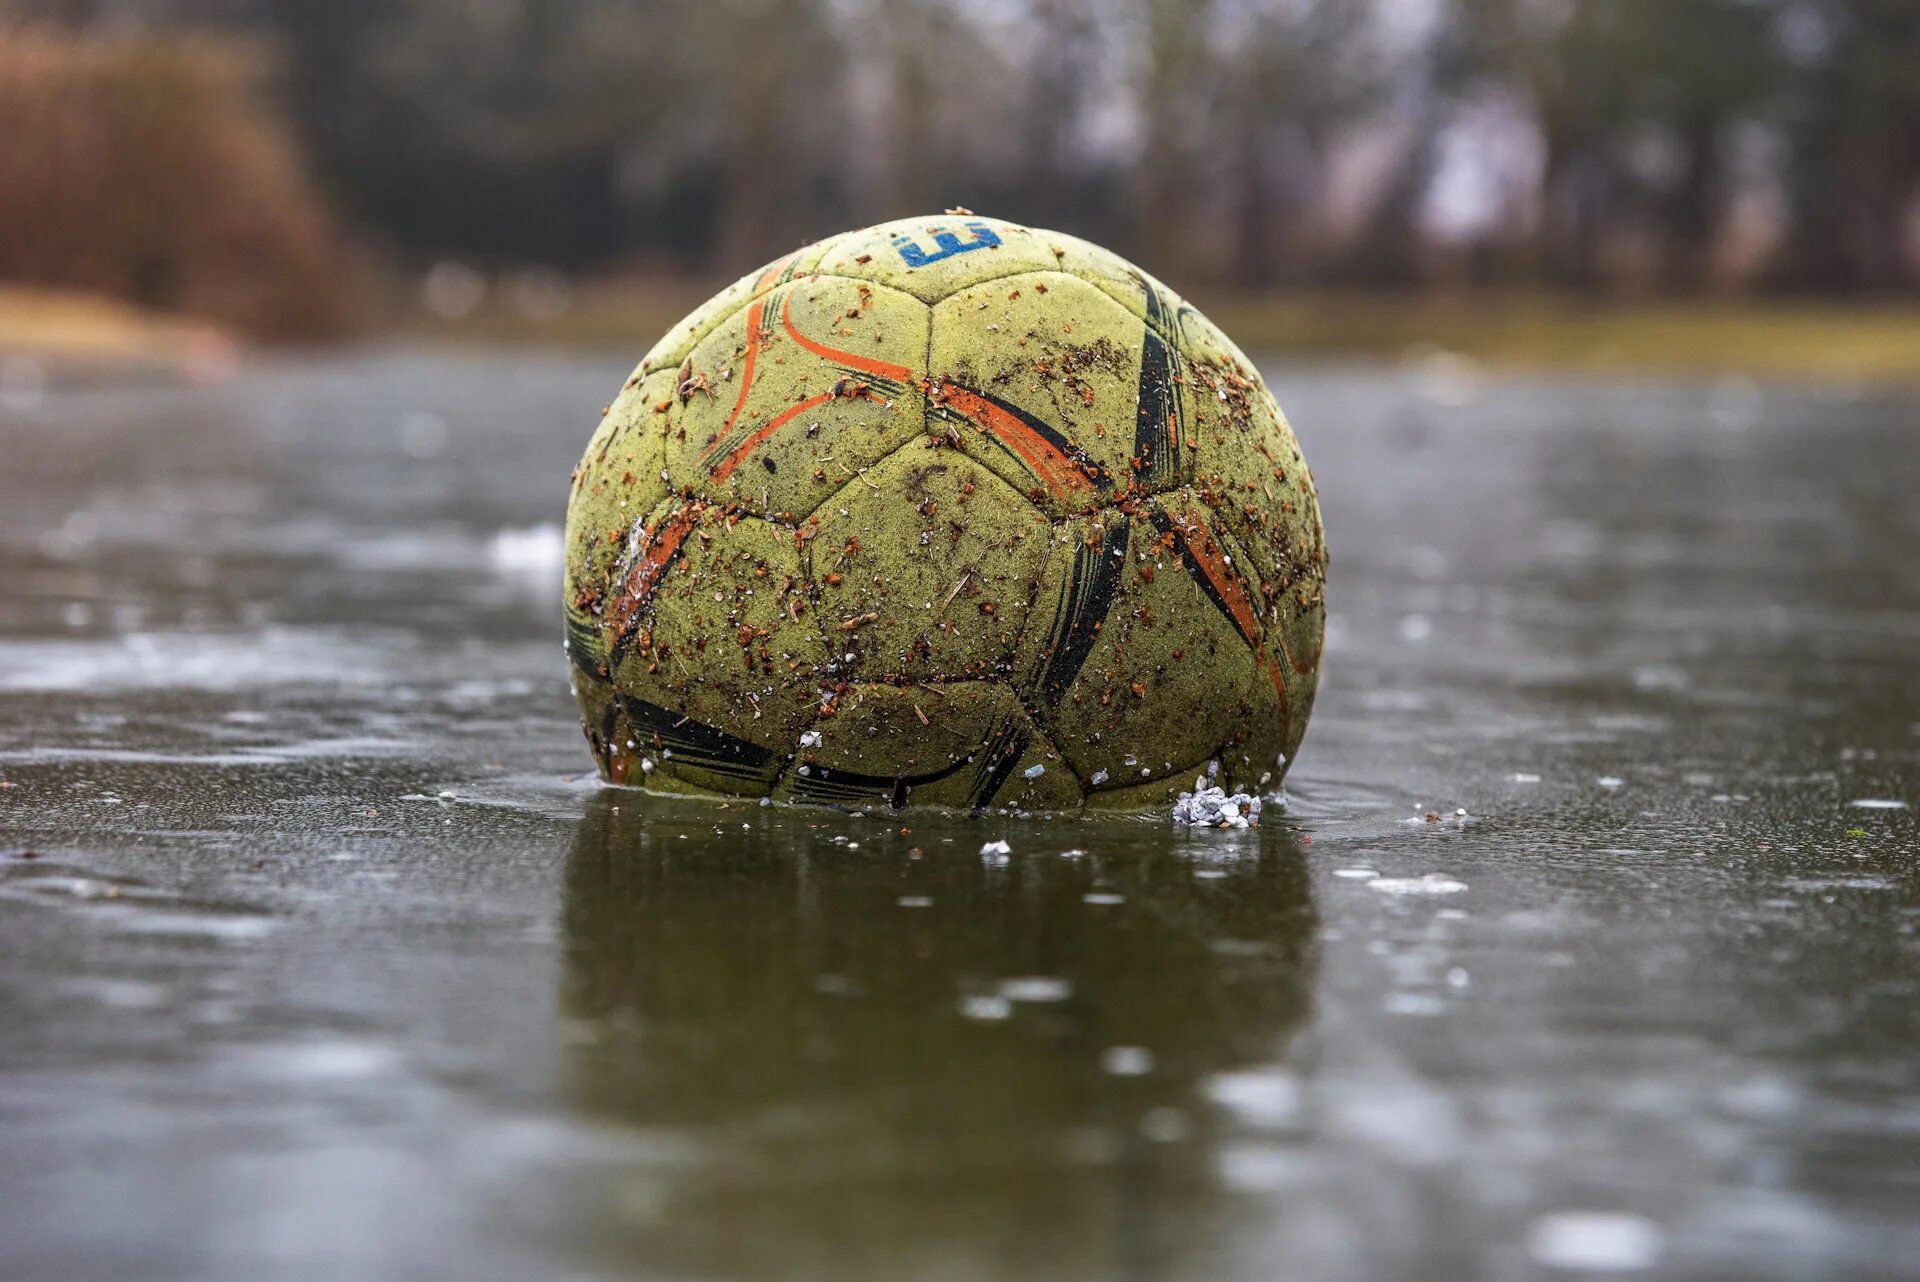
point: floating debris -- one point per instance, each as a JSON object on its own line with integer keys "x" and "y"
{"x": 1877, "y": 803}
{"x": 1209, "y": 806}
{"x": 996, "y": 848}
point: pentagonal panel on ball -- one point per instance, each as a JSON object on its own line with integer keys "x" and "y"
{"x": 926, "y": 567}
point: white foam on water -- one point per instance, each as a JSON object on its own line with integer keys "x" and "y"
{"x": 986, "y": 1007}
{"x": 1266, "y": 1099}
{"x": 1595, "y": 1242}
{"x": 338, "y": 1059}
{"x": 1035, "y": 988}
{"x": 533, "y": 556}
{"x": 1259, "y": 1168}
{"x": 272, "y": 656}
{"x": 1430, "y": 884}
{"x": 225, "y": 927}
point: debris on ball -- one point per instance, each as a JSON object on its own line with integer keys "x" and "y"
{"x": 946, "y": 512}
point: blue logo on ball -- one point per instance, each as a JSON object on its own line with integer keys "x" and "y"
{"x": 948, "y": 244}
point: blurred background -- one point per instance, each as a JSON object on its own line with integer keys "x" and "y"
{"x": 1587, "y": 943}
{"x": 1710, "y": 186}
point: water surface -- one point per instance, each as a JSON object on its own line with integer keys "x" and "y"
{"x": 1588, "y": 944}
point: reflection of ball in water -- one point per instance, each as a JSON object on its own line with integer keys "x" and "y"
{"x": 859, "y": 1065}
{"x": 950, "y": 512}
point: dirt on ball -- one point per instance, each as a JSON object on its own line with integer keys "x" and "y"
{"x": 945, "y": 512}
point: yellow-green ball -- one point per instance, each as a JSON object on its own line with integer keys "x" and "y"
{"x": 945, "y": 512}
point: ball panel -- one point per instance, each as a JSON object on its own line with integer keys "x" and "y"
{"x": 926, "y": 567}
{"x": 1038, "y": 375}
{"x": 1282, "y": 696}
{"x": 617, "y": 482}
{"x": 788, "y": 399}
{"x": 1230, "y": 576}
{"x": 1284, "y": 568}
{"x": 1141, "y": 294}
{"x": 706, "y": 634}
{"x": 1132, "y": 666}
{"x": 966, "y": 745}
{"x": 1243, "y": 440}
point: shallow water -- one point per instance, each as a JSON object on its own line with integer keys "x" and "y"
{"x": 329, "y": 961}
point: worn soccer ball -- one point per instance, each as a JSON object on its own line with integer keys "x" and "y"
{"x": 945, "y": 512}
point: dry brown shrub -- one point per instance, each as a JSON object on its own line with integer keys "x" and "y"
{"x": 154, "y": 169}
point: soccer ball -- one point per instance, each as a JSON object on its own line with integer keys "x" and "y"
{"x": 945, "y": 512}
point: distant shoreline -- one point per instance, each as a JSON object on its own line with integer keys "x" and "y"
{"x": 1767, "y": 338}
{"x": 61, "y": 334}
{"x": 1822, "y": 342}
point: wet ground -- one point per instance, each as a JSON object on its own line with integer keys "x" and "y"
{"x": 321, "y": 957}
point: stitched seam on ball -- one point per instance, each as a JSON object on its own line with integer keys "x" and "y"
{"x": 926, "y": 411}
